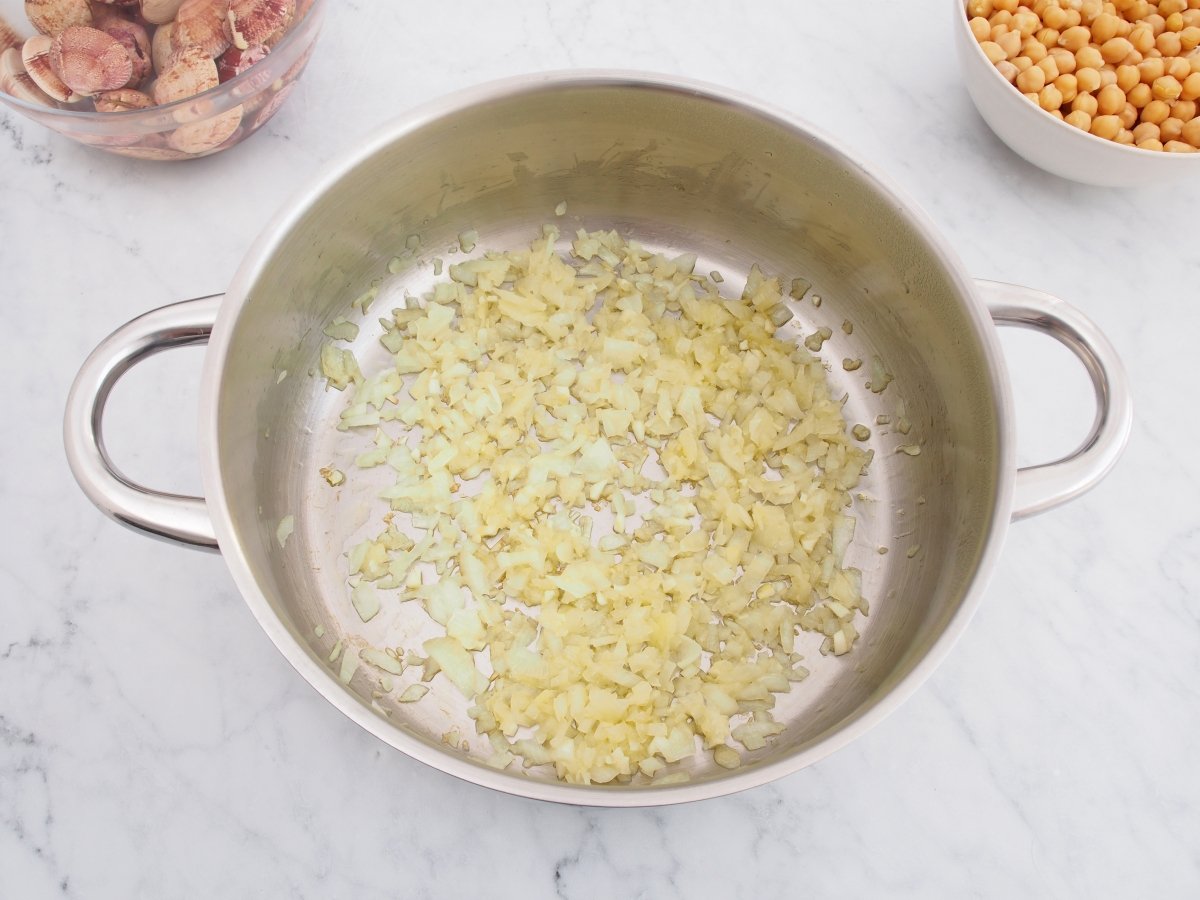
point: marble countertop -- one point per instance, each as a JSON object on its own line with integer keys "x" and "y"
{"x": 154, "y": 744}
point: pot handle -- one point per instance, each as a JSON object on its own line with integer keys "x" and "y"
{"x": 1043, "y": 487}
{"x": 171, "y": 517}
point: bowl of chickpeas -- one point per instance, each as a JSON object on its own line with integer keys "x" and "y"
{"x": 1105, "y": 93}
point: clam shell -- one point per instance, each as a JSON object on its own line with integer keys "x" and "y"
{"x": 155, "y": 153}
{"x": 259, "y": 21}
{"x": 235, "y": 61}
{"x": 35, "y": 56}
{"x": 162, "y": 46}
{"x": 53, "y": 17}
{"x": 122, "y": 100}
{"x": 89, "y": 61}
{"x": 205, "y": 24}
{"x": 160, "y": 12}
{"x": 136, "y": 41}
{"x": 191, "y": 71}
{"x": 200, "y": 137}
{"x": 15, "y": 81}
{"x": 8, "y": 36}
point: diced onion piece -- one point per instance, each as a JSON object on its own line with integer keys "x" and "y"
{"x": 457, "y": 664}
{"x": 286, "y": 526}
{"x": 365, "y": 598}
{"x": 381, "y": 660}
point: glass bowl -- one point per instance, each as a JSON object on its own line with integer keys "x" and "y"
{"x": 193, "y": 127}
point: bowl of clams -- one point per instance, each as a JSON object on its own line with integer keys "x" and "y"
{"x": 154, "y": 79}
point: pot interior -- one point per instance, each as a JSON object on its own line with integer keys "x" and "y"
{"x": 679, "y": 171}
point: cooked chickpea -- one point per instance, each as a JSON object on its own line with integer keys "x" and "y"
{"x": 1127, "y": 77}
{"x": 1075, "y": 38}
{"x": 1191, "y": 132}
{"x": 1008, "y": 6}
{"x": 1032, "y": 79}
{"x": 1150, "y": 144}
{"x": 1022, "y": 63}
{"x": 1168, "y": 7}
{"x": 1026, "y": 23}
{"x": 1050, "y": 98}
{"x": 1115, "y": 50}
{"x": 1175, "y": 22}
{"x": 1111, "y": 100}
{"x": 1168, "y": 44}
{"x": 1124, "y": 136}
{"x": 1008, "y": 70}
{"x": 980, "y": 29}
{"x": 1079, "y": 119}
{"x": 1128, "y": 115}
{"x": 1140, "y": 95}
{"x": 993, "y": 51}
{"x": 1156, "y": 22}
{"x": 1144, "y": 132}
{"x": 1091, "y": 10}
{"x": 1047, "y": 37}
{"x": 1167, "y": 88}
{"x": 1089, "y": 58}
{"x": 1178, "y": 147}
{"x": 1179, "y": 68}
{"x": 1034, "y": 50}
{"x": 1000, "y": 18}
{"x": 1147, "y": 70}
{"x": 1105, "y": 27}
{"x": 1184, "y": 110}
{"x": 1064, "y": 59}
{"x": 981, "y": 8}
{"x": 1106, "y": 127}
{"x": 1055, "y": 17}
{"x": 1142, "y": 38}
{"x": 1156, "y": 112}
{"x": 1170, "y": 130}
{"x": 1085, "y": 103}
{"x": 997, "y": 32}
{"x": 1189, "y": 38}
{"x": 1050, "y": 66}
{"x": 1067, "y": 86}
{"x": 1088, "y": 80}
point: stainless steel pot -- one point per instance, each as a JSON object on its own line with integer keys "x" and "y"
{"x": 678, "y": 166}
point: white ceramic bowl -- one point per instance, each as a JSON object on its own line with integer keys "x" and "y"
{"x": 1050, "y": 143}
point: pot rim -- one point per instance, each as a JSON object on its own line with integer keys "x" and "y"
{"x": 325, "y": 681}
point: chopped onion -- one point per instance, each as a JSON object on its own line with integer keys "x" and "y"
{"x": 632, "y": 493}
{"x": 286, "y": 526}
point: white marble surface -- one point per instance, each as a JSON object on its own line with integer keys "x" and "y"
{"x": 154, "y": 744}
